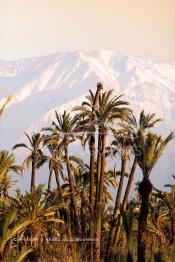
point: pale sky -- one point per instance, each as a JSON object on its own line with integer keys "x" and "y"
{"x": 30, "y": 28}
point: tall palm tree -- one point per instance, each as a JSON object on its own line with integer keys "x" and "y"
{"x": 120, "y": 145}
{"x": 65, "y": 128}
{"x": 131, "y": 127}
{"x": 151, "y": 148}
{"x": 86, "y": 122}
{"x": 35, "y": 155}
{"x": 110, "y": 109}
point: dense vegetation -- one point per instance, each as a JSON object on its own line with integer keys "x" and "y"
{"x": 81, "y": 220}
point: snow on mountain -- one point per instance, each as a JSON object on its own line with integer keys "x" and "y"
{"x": 60, "y": 81}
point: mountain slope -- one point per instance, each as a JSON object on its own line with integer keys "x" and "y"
{"x": 60, "y": 81}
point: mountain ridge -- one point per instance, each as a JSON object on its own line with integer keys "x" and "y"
{"x": 60, "y": 81}
{"x": 69, "y": 76}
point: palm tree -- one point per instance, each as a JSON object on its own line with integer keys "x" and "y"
{"x": 36, "y": 207}
{"x": 151, "y": 148}
{"x": 7, "y": 164}
{"x": 53, "y": 142}
{"x": 64, "y": 127}
{"x": 131, "y": 127}
{"x": 10, "y": 225}
{"x": 110, "y": 109}
{"x": 31, "y": 214}
{"x": 55, "y": 158}
{"x": 86, "y": 122}
{"x": 120, "y": 145}
{"x": 35, "y": 154}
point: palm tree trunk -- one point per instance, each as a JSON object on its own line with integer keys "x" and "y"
{"x": 50, "y": 178}
{"x": 92, "y": 163}
{"x": 96, "y": 103}
{"x": 117, "y": 207}
{"x": 67, "y": 221}
{"x": 58, "y": 182}
{"x": 129, "y": 257}
{"x": 97, "y": 245}
{"x": 97, "y": 230}
{"x": 66, "y": 215}
{"x": 33, "y": 176}
{"x": 63, "y": 213}
{"x": 125, "y": 201}
{"x": 145, "y": 188}
{"x": 98, "y": 167}
{"x": 100, "y": 202}
{"x": 92, "y": 190}
{"x": 72, "y": 189}
{"x": 172, "y": 218}
{"x": 102, "y": 173}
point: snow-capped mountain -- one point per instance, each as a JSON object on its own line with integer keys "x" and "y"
{"x": 60, "y": 81}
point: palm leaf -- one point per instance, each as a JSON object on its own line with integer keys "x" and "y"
{"x": 22, "y": 255}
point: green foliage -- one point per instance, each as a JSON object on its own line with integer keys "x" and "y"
{"x": 151, "y": 147}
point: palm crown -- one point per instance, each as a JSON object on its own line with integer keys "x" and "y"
{"x": 151, "y": 148}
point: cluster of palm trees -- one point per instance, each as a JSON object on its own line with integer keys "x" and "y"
{"x": 90, "y": 224}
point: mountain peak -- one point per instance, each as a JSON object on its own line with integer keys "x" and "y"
{"x": 63, "y": 78}
{"x": 60, "y": 81}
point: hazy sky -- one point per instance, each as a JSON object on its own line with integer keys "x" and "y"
{"x": 38, "y": 27}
